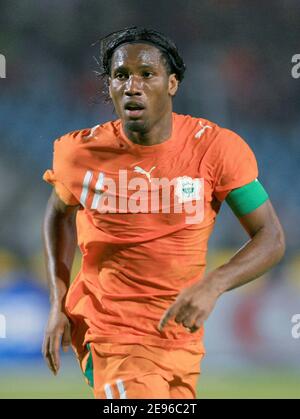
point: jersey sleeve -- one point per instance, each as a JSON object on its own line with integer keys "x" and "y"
{"x": 57, "y": 176}
{"x": 235, "y": 164}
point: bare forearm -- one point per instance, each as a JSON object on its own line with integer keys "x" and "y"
{"x": 256, "y": 257}
{"x": 59, "y": 244}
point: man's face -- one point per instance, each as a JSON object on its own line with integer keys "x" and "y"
{"x": 140, "y": 87}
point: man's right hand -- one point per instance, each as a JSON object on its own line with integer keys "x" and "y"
{"x": 58, "y": 331}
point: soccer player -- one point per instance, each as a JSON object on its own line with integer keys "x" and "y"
{"x": 146, "y": 189}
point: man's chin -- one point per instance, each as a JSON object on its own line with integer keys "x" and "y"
{"x": 136, "y": 126}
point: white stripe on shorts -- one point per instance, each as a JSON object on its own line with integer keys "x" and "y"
{"x": 121, "y": 389}
{"x": 108, "y": 391}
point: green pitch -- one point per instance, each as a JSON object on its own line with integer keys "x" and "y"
{"x": 70, "y": 384}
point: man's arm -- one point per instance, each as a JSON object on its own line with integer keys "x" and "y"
{"x": 265, "y": 249}
{"x": 59, "y": 234}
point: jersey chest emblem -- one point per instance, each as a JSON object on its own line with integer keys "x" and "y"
{"x": 188, "y": 189}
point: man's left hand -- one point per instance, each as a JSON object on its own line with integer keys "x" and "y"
{"x": 192, "y": 307}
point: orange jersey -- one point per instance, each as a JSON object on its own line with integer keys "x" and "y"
{"x": 138, "y": 257}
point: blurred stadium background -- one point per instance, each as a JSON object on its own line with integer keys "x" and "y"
{"x": 238, "y": 56}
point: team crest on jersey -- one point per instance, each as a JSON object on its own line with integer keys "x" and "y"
{"x": 188, "y": 189}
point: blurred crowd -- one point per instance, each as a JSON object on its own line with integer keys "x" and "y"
{"x": 238, "y": 56}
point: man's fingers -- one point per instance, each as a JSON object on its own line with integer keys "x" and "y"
{"x": 54, "y": 350}
{"x": 194, "y": 329}
{"x": 66, "y": 338}
{"x": 51, "y": 366}
{"x": 189, "y": 320}
{"x": 169, "y": 314}
{"x": 185, "y": 314}
{"x": 197, "y": 324}
{"x": 47, "y": 356}
{"x": 181, "y": 311}
{"x": 200, "y": 320}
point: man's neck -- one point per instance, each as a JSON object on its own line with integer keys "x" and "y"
{"x": 160, "y": 132}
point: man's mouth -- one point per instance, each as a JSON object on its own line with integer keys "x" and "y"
{"x": 134, "y": 109}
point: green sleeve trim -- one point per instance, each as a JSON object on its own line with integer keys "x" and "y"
{"x": 246, "y": 199}
{"x": 89, "y": 370}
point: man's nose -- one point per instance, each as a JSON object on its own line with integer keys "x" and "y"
{"x": 133, "y": 86}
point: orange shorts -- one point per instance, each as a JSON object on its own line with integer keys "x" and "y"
{"x": 134, "y": 371}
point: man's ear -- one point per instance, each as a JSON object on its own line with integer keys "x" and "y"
{"x": 173, "y": 84}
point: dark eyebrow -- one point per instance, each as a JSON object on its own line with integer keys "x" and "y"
{"x": 119, "y": 68}
{"x": 141, "y": 67}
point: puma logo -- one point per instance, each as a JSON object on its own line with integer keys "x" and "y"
{"x": 138, "y": 169}
{"x": 201, "y": 131}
